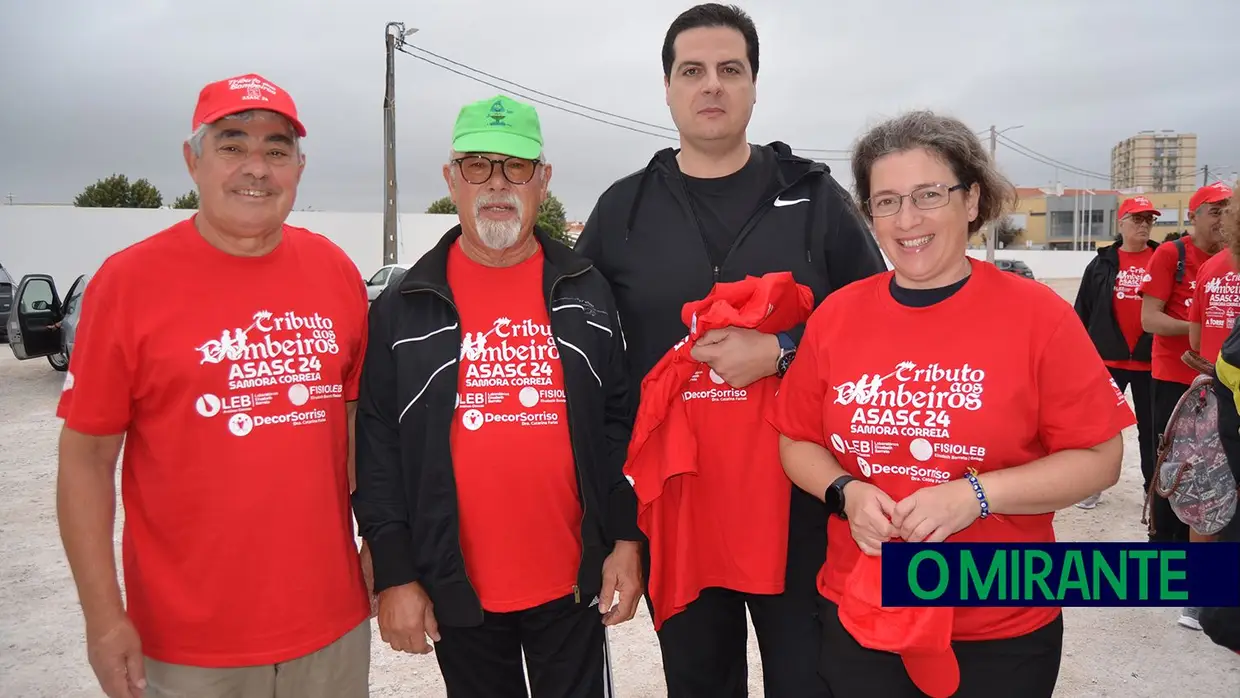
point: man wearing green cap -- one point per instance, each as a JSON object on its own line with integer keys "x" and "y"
{"x": 493, "y": 422}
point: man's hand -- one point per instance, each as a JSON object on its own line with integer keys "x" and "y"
{"x": 368, "y": 574}
{"x": 622, "y": 572}
{"x": 406, "y": 618}
{"x": 115, "y": 653}
{"x": 739, "y": 356}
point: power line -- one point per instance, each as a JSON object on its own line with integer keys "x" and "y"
{"x": 1048, "y": 160}
{"x": 668, "y": 132}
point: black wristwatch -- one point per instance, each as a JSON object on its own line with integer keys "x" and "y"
{"x": 834, "y": 496}
{"x": 787, "y": 352}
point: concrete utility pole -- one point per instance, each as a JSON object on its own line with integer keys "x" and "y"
{"x": 393, "y": 39}
{"x": 991, "y": 228}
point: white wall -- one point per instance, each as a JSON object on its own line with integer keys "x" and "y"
{"x": 1046, "y": 264}
{"x": 66, "y": 241}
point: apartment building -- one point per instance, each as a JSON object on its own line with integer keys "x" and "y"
{"x": 1155, "y": 161}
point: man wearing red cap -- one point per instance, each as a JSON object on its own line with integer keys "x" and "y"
{"x": 1167, "y": 296}
{"x": 1110, "y": 308}
{"x": 233, "y": 391}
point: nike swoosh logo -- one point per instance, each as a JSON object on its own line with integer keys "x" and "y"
{"x": 782, "y": 202}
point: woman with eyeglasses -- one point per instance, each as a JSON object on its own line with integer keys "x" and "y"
{"x": 944, "y": 400}
{"x": 1109, "y": 305}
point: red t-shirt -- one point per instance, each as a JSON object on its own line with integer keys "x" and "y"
{"x": 516, "y": 478}
{"x": 702, "y": 451}
{"x": 229, "y": 376}
{"x": 1126, "y": 303}
{"x": 1168, "y": 363}
{"x": 918, "y": 398}
{"x": 1216, "y": 302}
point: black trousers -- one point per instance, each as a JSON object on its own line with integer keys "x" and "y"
{"x": 1019, "y": 667}
{"x": 1143, "y": 406}
{"x": 565, "y": 650}
{"x": 704, "y": 647}
{"x": 1167, "y": 527}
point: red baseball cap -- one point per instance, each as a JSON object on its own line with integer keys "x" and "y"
{"x": 243, "y": 93}
{"x": 1137, "y": 204}
{"x": 922, "y": 636}
{"x": 1209, "y": 194}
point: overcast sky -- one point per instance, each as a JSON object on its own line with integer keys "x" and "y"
{"x": 92, "y": 88}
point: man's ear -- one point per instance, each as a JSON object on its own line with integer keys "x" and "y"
{"x": 191, "y": 161}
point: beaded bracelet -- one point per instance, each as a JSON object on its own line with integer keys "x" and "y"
{"x": 971, "y": 475}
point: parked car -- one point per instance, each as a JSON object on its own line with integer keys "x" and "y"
{"x": 39, "y": 324}
{"x": 382, "y": 278}
{"x": 6, "y": 302}
{"x": 1015, "y": 266}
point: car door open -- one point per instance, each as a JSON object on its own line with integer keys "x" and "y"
{"x": 32, "y": 321}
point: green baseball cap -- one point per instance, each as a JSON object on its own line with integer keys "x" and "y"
{"x": 499, "y": 125}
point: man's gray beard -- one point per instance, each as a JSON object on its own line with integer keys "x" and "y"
{"x": 499, "y": 235}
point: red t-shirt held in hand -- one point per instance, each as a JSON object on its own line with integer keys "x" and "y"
{"x": 516, "y": 479}
{"x": 712, "y": 496}
{"x": 1126, "y": 303}
{"x": 915, "y": 400}
{"x": 1216, "y": 302}
{"x": 229, "y": 377}
{"x": 1168, "y": 362}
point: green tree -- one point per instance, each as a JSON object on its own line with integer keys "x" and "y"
{"x": 443, "y": 205}
{"x": 117, "y": 192}
{"x": 186, "y": 200}
{"x": 551, "y": 216}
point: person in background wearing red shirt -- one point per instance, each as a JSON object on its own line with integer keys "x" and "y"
{"x": 1108, "y": 304}
{"x": 1029, "y": 406}
{"x": 1216, "y": 299}
{"x": 233, "y": 389}
{"x": 493, "y": 423}
{"x": 1165, "y": 314}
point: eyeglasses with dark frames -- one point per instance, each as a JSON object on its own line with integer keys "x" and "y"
{"x": 477, "y": 169}
{"x": 929, "y": 197}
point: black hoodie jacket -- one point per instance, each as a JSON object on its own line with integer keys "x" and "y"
{"x": 645, "y": 238}
{"x": 405, "y": 502}
{"x": 1096, "y": 309}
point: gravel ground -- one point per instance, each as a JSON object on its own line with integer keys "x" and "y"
{"x": 1119, "y": 652}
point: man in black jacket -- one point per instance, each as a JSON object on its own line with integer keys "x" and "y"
{"x": 716, "y": 210}
{"x": 1109, "y": 305}
{"x": 493, "y": 421}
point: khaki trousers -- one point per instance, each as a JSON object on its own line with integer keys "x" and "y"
{"x": 340, "y": 670}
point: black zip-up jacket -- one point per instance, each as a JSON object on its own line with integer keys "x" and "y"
{"x": 1096, "y": 310}
{"x": 645, "y": 238}
{"x": 405, "y": 502}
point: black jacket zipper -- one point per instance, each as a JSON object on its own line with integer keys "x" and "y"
{"x": 572, "y": 442}
{"x": 751, "y": 223}
{"x": 459, "y": 549}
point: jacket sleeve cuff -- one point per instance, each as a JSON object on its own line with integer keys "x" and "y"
{"x": 622, "y": 515}
{"x": 392, "y": 557}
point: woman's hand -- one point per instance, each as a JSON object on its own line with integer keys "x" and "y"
{"x": 931, "y": 514}
{"x": 869, "y": 512}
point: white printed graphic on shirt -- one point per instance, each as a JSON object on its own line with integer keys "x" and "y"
{"x": 275, "y": 369}
{"x": 1128, "y": 282}
{"x": 507, "y": 374}
{"x": 717, "y": 391}
{"x": 1222, "y": 301}
{"x": 914, "y": 408}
